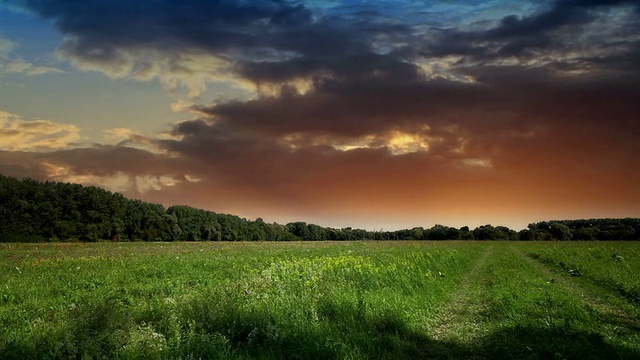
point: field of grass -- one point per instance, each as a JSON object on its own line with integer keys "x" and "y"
{"x": 320, "y": 300}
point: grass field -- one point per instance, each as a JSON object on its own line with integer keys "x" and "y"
{"x": 320, "y": 300}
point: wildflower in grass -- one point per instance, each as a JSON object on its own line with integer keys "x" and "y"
{"x": 145, "y": 340}
{"x": 170, "y": 300}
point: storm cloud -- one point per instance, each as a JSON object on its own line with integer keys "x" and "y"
{"x": 367, "y": 109}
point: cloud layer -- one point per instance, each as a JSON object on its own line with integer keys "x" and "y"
{"x": 380, "y": 112}
{"x": 17, "y": 134}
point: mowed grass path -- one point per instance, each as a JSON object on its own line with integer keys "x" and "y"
{"x": 511, "y": 305}
{"x": 358, "y": 300}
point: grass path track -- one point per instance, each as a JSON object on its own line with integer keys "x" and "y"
{"x": 593, "y": 300}
{"x": 508, "y": 306}
{"x": 452, "y": 323}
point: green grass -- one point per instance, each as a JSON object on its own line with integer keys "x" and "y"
{"x": 613, "y": 266}
{"x": 341, "y": 300}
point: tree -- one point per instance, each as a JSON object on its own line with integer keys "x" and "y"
{"x": 438, "y": 232}
{"x": 526, "y": 235}
{"x": 465, "y": 234}
{"x": 299, "y": 229}
{"x": 560, "y": 231}
{"x": 486, "y": 232}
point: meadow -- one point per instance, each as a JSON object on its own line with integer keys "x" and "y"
{"x": 325, "y": 300}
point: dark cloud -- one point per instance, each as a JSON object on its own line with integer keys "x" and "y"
{"x": 22, "y": 164}
{"x": 277, "y": 41}
{"x": 353, "y": 108}
{"x": 519, "y": 112}
{"x": 272, "y": 40}
{"x": 217, "y": 26}
{"x": 108, "y": 161}
{"x": 343, "y": 67}
{"x": 518, "y": 36}
{"x": 513, "y": 26}
{"x": 212, "y": 24}
{"x": 529, "y": 124}
{"x": 98, "y": 163}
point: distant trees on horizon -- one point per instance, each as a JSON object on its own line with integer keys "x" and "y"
{"x": 32, "y": 211}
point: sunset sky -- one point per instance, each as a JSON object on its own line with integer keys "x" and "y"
{"x": 380, "y": 114}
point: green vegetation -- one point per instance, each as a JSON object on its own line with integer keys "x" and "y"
{"x": 301, "y": 300}
{"x": 608, "y": 266}
{"x": 31, "y": 211}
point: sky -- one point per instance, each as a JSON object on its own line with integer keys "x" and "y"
{"x": 382, "y": 114}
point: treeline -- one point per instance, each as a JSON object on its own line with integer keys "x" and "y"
{"x": 32, "y": 211}
{"x": 593, "y": 229}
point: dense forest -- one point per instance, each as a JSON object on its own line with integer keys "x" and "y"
{"x": 32, "y": 211}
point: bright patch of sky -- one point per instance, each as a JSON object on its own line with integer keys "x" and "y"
{"x": 32, "y": 38}
{"x": 64, "y": 94}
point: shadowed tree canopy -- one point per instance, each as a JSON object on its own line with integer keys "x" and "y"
{"x": 32, "y": 211}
